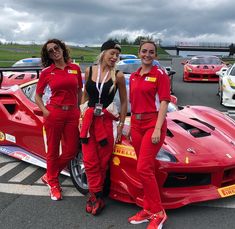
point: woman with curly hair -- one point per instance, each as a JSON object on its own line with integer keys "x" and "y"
{"x": 61, "y": 113}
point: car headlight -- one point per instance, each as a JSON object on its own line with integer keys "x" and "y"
{"x": 164, "y": 155}
{"x": 188, "y": 69}
{"x": 231, "y": 83}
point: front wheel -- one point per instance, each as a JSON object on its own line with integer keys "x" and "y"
{"x": 78, "y": 175}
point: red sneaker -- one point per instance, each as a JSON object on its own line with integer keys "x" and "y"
{"x": 45, "y": 181}
{"x": 140, "y": 217}
{"x": 157, "y": 220}
{"x": 89, "y": 204}
{"x": 55, "y": 193}
{"x": 98, "y": 206}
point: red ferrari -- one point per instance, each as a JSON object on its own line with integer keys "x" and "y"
{"x": 202, "y": 68}
{"x": 17, "y": 75}
{"x": 196, "y": 162}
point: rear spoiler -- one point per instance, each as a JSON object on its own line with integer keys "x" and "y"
{"x": 19, "y": 69}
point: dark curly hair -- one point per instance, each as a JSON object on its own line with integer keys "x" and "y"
{"x": 46, "y": 60}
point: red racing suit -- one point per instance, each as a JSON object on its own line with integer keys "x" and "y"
{"x": 62, "y": 123}
{"x": 146, "y": 93}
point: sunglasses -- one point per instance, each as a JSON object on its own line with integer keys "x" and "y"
{"x": 56, "y": 48}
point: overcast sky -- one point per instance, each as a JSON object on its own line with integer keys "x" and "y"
{"x": 86, "y": 22}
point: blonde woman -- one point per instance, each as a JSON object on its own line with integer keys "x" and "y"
{"x": 102, "y": 82}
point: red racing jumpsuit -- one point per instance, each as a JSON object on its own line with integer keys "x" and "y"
{"x": 61, "y": 125}
{"x": 98, "y": 147}
{"x": 146, "y": 93}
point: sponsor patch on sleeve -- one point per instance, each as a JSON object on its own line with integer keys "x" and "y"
{"x": 151, "y": 79}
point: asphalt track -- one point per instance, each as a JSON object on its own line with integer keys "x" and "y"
{"x": 25, "y": 204}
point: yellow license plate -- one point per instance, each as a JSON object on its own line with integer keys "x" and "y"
{"x": 227, "y": 191}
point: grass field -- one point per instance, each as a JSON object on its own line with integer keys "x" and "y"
{"x": 11, "y": 53}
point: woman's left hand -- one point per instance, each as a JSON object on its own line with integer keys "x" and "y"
{"x": 156, "y": 136}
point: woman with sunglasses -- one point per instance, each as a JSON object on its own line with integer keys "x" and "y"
{"x": 61, "y": 113}
{"x": 149, "y": 98}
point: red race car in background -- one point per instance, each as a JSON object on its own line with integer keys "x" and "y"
{"x": 195, "y": 163}
{"x": 202, "y": 68}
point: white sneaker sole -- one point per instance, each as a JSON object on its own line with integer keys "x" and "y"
{"x": 139, "y": 222}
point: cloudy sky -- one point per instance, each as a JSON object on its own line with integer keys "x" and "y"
{"x": 86, "y": 22}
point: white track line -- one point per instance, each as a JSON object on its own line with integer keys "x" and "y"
{"x": 23, "y": 174}
{"x": 6, "y": 168}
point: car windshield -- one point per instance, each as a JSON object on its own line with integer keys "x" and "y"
{"x": 205, "y": 60}
{"x": 128, "y": 68}
{"x": 30, "y": 91}
{"x": 30, "y": 62}
{"x": 232, "y": 73}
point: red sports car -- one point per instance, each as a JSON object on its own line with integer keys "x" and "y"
{"x": 17, "y": 75}
{"x": 196, "y": 162}
{"x": 202, "y": 68}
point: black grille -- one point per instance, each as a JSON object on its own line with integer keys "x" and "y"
{"x": 187, "y": 179}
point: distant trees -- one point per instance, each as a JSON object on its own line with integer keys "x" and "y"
{"x": 125, "y": 40}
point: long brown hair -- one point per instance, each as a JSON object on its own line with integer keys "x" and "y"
{"x": 46, "y": 60}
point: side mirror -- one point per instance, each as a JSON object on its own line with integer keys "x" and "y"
{"x": 37, "y": 111}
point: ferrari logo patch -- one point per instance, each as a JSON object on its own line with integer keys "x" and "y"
{"x": 72, "y": 71}
{"x": 2, "y": 136}
{"x": 151, "y": 79}
{"x": 227, "y": 191}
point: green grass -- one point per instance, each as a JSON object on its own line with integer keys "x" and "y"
{"x": 10, "y": 53}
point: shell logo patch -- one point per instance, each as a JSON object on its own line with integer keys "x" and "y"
{"x": 2, "y": 136}
{"x": 72, "y": 71}
{"x": 151, "y": 79}
{"x": 116, "y": 161}
{"x": 124, "y": 151}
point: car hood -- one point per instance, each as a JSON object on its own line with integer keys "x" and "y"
{"x": 199, "y": 137}
{"x": 205, "y": 67}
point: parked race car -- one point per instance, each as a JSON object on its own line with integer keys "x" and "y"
{"x": 127, "y": 56}
{"x": 226, "y": 89}
{"x": 17, "y": 75}
{"x": 202, "y": 68}
{"x": 195, "y": 163}
{"x": 28, "y": 62}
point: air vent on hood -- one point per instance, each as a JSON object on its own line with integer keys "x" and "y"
{"x": 194, "y": 131}
{"x": 205, "y": 123}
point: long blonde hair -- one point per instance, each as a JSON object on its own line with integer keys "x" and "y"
{"x": 99, "y": 60}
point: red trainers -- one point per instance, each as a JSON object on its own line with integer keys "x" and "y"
{"x": 44, "y": 179}
{"x": 140, "y": 217}
{"x": 55, "y": 193}
{"x": 98, "y": 206}
{"x": 89, "y": 204}
{"x": 157, "y": 220}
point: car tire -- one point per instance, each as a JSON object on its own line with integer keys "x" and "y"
{"x": 78, "y": 175}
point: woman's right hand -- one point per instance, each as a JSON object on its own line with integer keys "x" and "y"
{"x": 46, "y": 113}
